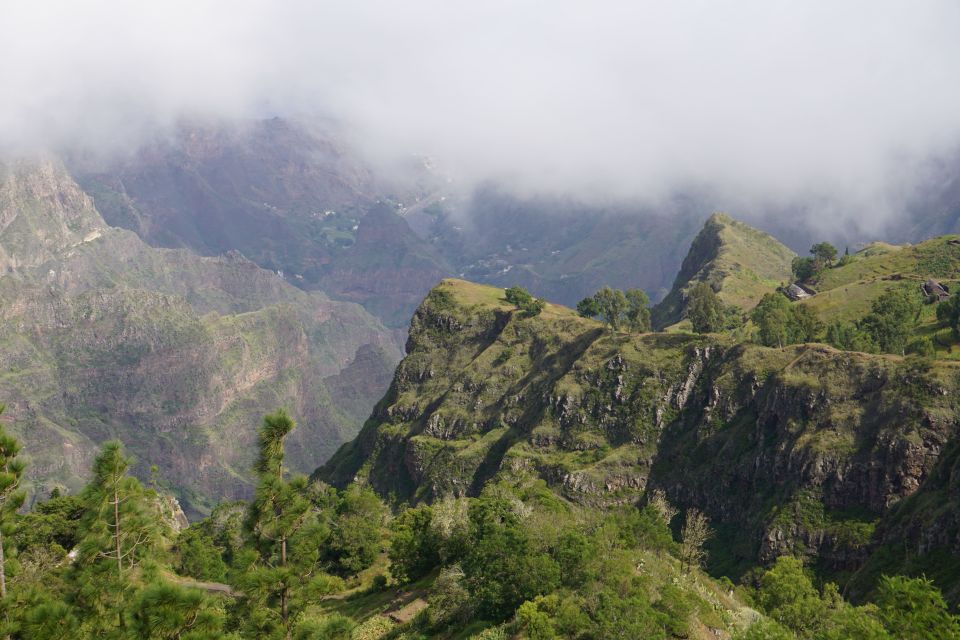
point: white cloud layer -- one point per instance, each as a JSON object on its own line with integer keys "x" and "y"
{"x": 766, "y": 100}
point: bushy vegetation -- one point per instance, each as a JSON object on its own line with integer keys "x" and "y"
{"x": 280, "y": 555}
{"x": 888, "y": 328}
{"x": 708, "y": 314}
{"x": 618, "y": 309}
{"x": 780, "y": 323}
{"x": 823, "y": 255}
{"x": 517, "y": 561}
{"x": 796, "y": 608}
{"x": 526, "y": 303}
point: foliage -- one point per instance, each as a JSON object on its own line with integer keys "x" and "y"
{"x": 588, "y": 308}
{"x": 892, "y": 319}
{"x": 787, "y": 595}
{"x": 612, "y": 304}
{"x": 118, "y": 532}
{"x": 51, "y": 522}
{"x": 164, "y": 611}
{"x": 285, "y": 574}
{"x": 824, "y": 254}
{"x": 696, "y": 532}
{"x": 517, "y": 296}
{"x": 533, "y": 308}
{"x": 921, "y": 346}
{"x": 355, "y": 532}
{"x": 780, "y": 323}
{"x": 503, "y": 567}
{"x": 849, "y": 337}
{"x": 11, "y": 496}
{"x": 914, "y": 608}
{"x": 526, "y": 303}
{"x": 637, "y": 313}
{"x": 804, "y": 269}
{"x": 414, "y": 548}
{"x": 199, "y": 556}
{"x": 704, "y": 309}
{"x": 618, "y": 308}
{"x": 517, "y": 557}
{"x": 948, "y": 313}
{"x": 905, "y": 608}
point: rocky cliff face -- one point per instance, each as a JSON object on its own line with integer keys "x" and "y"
{"x": 177, "y": 356}
{"x": 805, "y": 449}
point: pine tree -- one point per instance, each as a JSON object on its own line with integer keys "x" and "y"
{"x": 118, "y": 532}
{"x": 165, "y": 611}
{"x": 11, "y": 497}
{"x": 286, "y": 534}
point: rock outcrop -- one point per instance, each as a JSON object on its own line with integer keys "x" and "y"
{"x": 804, "y": 450}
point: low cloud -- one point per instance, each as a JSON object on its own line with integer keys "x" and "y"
{"x": 840, "y": 108}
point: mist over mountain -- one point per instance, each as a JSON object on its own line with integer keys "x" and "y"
{"x": 435, "y": 320}
{"x": 834, "y": 113}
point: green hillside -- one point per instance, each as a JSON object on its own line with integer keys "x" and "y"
{"x": 804, "y": 450}
{"x": 739, "y": 262}
{"x": 531, "y": 475}
{"x": 846, "y": 292}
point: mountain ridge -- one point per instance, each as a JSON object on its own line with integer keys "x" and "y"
{"x": 806, "y": 449}
{"x": 739, "y": 262}
{"x": 175, "y": 354}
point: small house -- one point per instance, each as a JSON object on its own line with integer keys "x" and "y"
{"x": 935, "y": 291}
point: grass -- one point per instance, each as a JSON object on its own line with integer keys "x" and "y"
{"x": 846, "y": 293}
{"x": 738, "y": 261}
{"x": 472, "y": 294}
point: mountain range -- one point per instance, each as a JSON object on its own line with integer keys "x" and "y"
{"x": 175, "y": 354}
{"x": 152, "y": 295}
{"x": 844, "y": 458}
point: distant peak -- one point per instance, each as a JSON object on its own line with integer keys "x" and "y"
{"x": 739, "y": 262}
{"x": 718, "y": 217}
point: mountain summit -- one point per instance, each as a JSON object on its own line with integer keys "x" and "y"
{"x": 739, "y": 262}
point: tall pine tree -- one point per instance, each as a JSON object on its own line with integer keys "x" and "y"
{"x": 285, "y": 532}
{"x": 11, "y": 497}
{"x": 118, "y": 532}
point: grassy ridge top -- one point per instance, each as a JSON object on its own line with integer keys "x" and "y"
{"x": 471, "y": 294}
{"x": 739, "y": 262}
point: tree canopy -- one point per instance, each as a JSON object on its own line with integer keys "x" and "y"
{"x": 705, "y": 310}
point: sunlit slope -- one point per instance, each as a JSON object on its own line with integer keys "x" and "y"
{"x": 740, "y": 263}
{"x": 845, "y": 293}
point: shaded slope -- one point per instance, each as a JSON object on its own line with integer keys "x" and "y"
{"x": 293, "y": 200}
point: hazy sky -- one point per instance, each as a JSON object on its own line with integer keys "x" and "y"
{"x": 837, "y": 102}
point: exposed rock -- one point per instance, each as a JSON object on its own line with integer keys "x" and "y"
{"x": 798, "y": 450}
{"x": 178, "y": 356}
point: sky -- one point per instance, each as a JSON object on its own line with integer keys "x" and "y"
{"x": 846, "y": 105}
